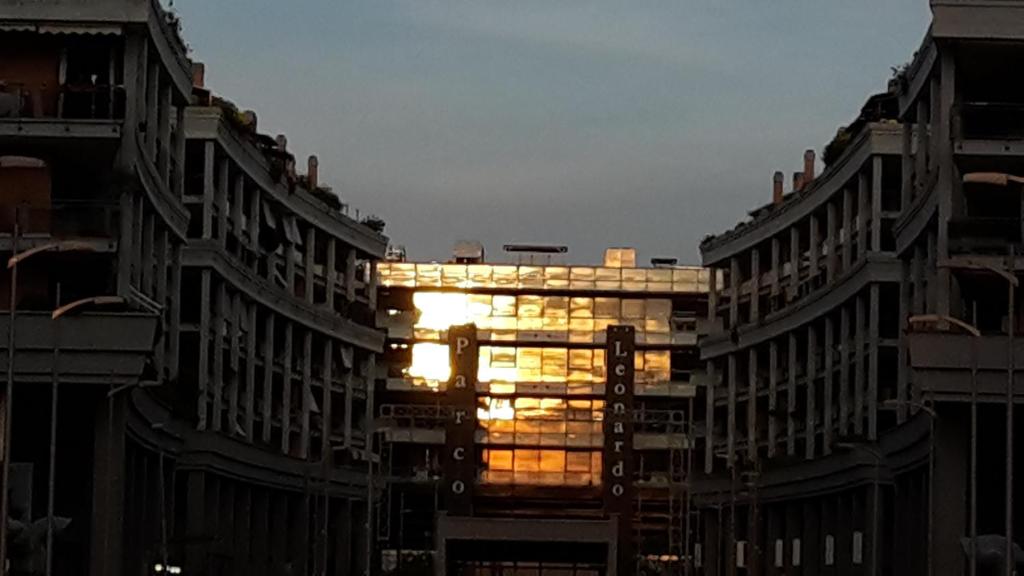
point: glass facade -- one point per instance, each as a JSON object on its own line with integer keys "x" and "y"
{"x": 542, "y": 359}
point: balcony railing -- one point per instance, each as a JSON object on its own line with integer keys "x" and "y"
{"x": 67, "y": 102}
{"x": 983, "y": 235}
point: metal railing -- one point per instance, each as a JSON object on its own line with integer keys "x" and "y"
{"x": 70, "y": 101}
{"x": 63, "y": 219}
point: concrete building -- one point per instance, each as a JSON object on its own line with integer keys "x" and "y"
{"x": 845, "y": 433}
{"x": 537, "y": 501}
{"x": 216, "y": 361}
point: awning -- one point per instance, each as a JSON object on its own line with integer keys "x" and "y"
{"x": 74, "y": 29}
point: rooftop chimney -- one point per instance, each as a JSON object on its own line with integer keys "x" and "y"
{"x": 198, "y": 75}
{"x": 798, "y": 181}
{"x": 313, "y": 173}
{"x": 777, "y": 190}
{"x": 808, "y": 167}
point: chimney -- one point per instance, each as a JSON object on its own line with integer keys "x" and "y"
{"x": 777, "y": 191}
{"x": 198, "y": 75}
{"x": 313, "y": 173}
{"x": 808, "y": 167}
{"x": 798, "y": 181}
{"x": 282, "y": 142}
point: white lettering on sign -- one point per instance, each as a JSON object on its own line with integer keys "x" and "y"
{"x": 459, "y": 454}
{"x": 461, "y": 343}
{"x": 620, "y": 369}
{"x": 619, "y": 470}
{"x": 459, "y": 415}
{"x": 618, "y": 445}
{"x": 618, "y": 490}
{"x": 619, "y": 428}
{"x": 458, "y": 487}
{"x": 620, "y": 388}
{"x": 619, "y": 352}
{"x": 619, "y": 408}
{"x": 460, "y": 381}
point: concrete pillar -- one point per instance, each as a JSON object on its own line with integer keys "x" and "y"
{"x": 795, "y": 547}
{"x": 220, "y": 314}
{"x": 860, "y": 367}
{"x": 327, "y": 376}
{"x": 161, "y": 260}
{"x": 286, "y": 391}
{"x": 831, "y": 243}
{"x": 827, "y": 401}
{"x": 815, "y": 245}
{"x": 755, "y": 285}
{"x": 235, "y": 382}
{"x": 949, "y": 177}
{"x": 138, "y": 234}
{"x": 794, "y": 261}
{"x": 709, "y": 417}
{"x": 108, "y": 487}
{"x": 731, "y": 417}
{"x": 204, "y": 347}
{"x": 844, "y": 369}
{"x": 147, "y": 276}
{"x": 178, "y": 179}
{"x": 163, "y": 157}
{"x": 196, "y": 536}
{"x": 776, "y": 266}
{"x": 921, "y": 151}
{"x": 773, "y": 390}
{"x": 734, "y": 292}
{"x": 917, "y": 273}
{"x": 950, "y": 489}
{"x": 350, "y": 275}
{"x": 175, "y": 309}
{"x": 907, "y": 166}
{"x": 153, "y": 73}
{"x": 307, "y": 392}
{"x": 812, "y": 375}
{"x": 124, "y": 245}
{"x": 864, "y": 214}
{"x": 209, "y": 192}
{"x": 848, "y": 234}
{"x": 332, "y": 272}
{"x": 250, "y": 370}
{"x": 752, "y": 404}
{"x": 876, "y": 203}
{"x": 309, "y": 266}
{"x": 223, "y": 181}
{"x": 237, "y": 214}
{"x": 872, "y": 376}
{"x": 255, "y": 221}
{"x": 269, "y": 356}
{"x": 289, "y": 268}
{"x": 791, "y": 397}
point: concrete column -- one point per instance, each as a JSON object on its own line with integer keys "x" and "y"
{"x": 921, "y": 151}
{"x": 812, "y": 375}
{"x": 327, "y": 376}
{"x": 903, "y": 370}
{"x": 950, "y": 488}
{"x": 138, "y": 233}
{"x": 289, "y": 268}
{"x": 794, "y": 261}
{"x": 860, "y": 368}
{"x": 286, "y": 391}
{"x": 713, "y": 552}
{"x": 907, "y": 166}
{"x": 349, "y": 393}
{"x": 371, "y": 290}
{"x": 223, "y": 181}
{"x": 350, "y": 275}
{"x": 734, "y": 292}
{"x": 929, "y": 273}
{"x": 844, "y": 369}
{"x": 235, "y": 334}
{"x": 919, "y": 305}
{"x": 773, "y": 390}
{"x": 209, "y": 192}
{"x": 709, "y": 417}
{"x": 791, "y": 397}
{"x": 178, "y": 180}
{"x": 752, "y": 404}
{"x": 307, "y": 392}
{"x": 269, "y": 354}
{"x": 815, "y": 248}
{"x": 108, "y": 486}
{"x": 220, "y": 313}
{"x": 310, "y": 264}
{"x": 195, "y": 523}
{"x": 872, "y": 380}
{"x": 175, "y": 309}
{"x": 161, "y": 298}
{"x": 237, "y": 212}
{"x": 827, "y": 401}
{"x": 876, "y": 203}
{"x": 147, "y": 261}
{"x": 250, "y": 370}
{"x": 948, "y": 176}
{"x": 124, "y": 245}
{"x": 204, "y": 347}
{"x": 255, "y": 205}
{"x": 731, "y": 417}
{"x": 755, "y": 285}
{"x": 848, "y": 234}
{"x": 864, "y": 213}
{"x": 153, "y": 74}
{"x": 776, "y": 266}
{"x": 831, "y": 232}
{"x": 331, "y": 269}
{"x": 163, "y": 158}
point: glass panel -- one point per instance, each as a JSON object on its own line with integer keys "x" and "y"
{"x": 581, "y": 308}
{"x": 556, "y": 277}
{"x": 606, "y": 307}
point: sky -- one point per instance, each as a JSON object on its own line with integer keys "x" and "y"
{"x": 586, "y": 123}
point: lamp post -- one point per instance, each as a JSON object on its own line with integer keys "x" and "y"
{"x": 60, "y": 311}
{"x": 12, "y": 265}
{"x": 975, "y": 335}
{"x": 1009, "y": 273}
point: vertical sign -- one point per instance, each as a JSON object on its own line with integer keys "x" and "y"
{"x": 460, "y": 431}
{"x": 617, "y": 475}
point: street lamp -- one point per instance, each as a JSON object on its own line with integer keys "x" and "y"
{"x": 876, "y": 504}
{"x": 12, "y": 265}
{"x": 1002, "y": 179}
{"x": 59, "y": 312}
{"x": 975, "y": 335}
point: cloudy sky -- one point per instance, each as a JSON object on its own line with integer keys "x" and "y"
{"x": 590, "y": 123}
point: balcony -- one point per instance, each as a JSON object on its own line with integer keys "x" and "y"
{"x": 942, "y": 365}
{"x": 983, "y": 234}
{"x": 88, "y": 220}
